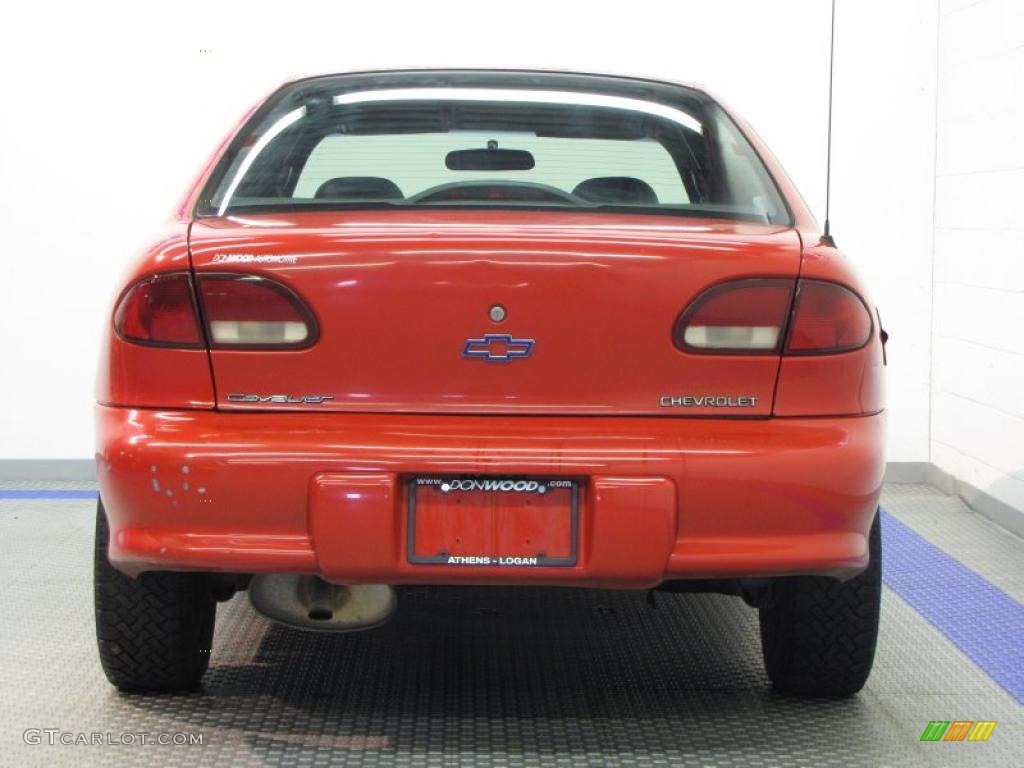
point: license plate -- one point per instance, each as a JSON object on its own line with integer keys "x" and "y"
{"x": 493, "y": 521}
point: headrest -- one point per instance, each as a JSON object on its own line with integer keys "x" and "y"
{"x": 616, "y": 189}
{"x": 361, "y": 187}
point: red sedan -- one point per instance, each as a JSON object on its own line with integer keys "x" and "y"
{"x": 486, "y": 327}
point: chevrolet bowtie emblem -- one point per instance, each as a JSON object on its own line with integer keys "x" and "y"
{"x": 497, "y": 347}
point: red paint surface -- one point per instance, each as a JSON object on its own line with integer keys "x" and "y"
{"x": 325, "y": 493}
{"x": 397, "y": 294}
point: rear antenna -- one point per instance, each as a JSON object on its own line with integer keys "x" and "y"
{"x": 826, "y": 238}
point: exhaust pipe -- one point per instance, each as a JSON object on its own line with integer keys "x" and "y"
{"x": 322, "y": 598}
{"x": 309, "y": 602}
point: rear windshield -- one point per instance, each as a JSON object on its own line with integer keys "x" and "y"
{"x": 498, "y": 146}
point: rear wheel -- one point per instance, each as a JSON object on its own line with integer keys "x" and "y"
{"x": 818, "y": 634}
{"x": 154, "y": 632}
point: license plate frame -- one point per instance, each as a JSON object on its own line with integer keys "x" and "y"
{"x": 493, "y": 559}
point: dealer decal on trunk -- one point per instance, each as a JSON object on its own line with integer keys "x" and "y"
{"x": 487, "y": 560}
{"x": 505, "y": 485}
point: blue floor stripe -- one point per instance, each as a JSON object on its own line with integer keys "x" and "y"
{"x": 29, "y": 494}
{"x": 984, "y": 622}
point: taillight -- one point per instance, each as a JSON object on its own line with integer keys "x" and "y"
{"x": 246, "y": 311}
{"x": 160, "y": 311}
{"x": 827, "y": 318}
{"x": 751, "y": 317}
{"x": 744, "y": 316}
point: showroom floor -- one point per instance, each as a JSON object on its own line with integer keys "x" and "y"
{"x": 525, "y": 677}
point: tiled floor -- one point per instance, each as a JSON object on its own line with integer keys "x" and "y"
{"x": 495, "y": 676}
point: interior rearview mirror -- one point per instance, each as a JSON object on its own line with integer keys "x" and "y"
{"x": 489, "y": 160}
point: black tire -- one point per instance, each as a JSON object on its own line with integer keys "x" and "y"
{"x": 819, "y": 634}
{"x": 154, "y": 632}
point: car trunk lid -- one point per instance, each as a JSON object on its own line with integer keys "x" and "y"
{"x": 504, "y": 312}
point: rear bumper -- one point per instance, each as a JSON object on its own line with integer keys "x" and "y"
{"x": 662, "y": 498}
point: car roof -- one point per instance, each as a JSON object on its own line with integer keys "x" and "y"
{"x": 626, "y": 85}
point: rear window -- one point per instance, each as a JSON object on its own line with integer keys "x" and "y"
{"x": 500, "y": 146}
{"x": 411, "y": 161}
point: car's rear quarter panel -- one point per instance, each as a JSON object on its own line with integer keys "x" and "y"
{"x": 847, "y": 383}
{"x": 136, "y": 375}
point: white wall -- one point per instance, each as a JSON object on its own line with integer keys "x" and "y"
{"x": 108, "y": 111}
{"x": 978, "y": 347}
{"x": 883, "y": 166}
